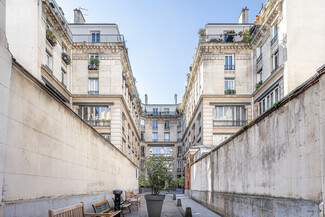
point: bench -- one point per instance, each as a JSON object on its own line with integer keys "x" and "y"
{"x": 134, "y": 199}
{"x": 76, "y": 211}
{"x": 104, "y": 207}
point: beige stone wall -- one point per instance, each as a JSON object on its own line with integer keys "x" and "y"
{"x": 51, "y": 152}
{"x": 278, "y": 156}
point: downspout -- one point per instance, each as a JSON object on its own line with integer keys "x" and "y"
{"x": 212, "y": 174}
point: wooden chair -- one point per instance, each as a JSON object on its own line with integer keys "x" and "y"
{"x": 104, "y": 207}
{"x": 75, "y": 211}
{"x": 134, "y": 199}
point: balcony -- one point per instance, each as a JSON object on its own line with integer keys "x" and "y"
{"x": 50, "y": 37}
{"x": 66, "y": 58}
{"x": 230, "y": 92}
{"x": 99, "y": 123}
{"x": 91, "y": 92}
{"x": 229, "y": 67}
{"x": 229, "y": 123}
{"x": 179, "y": 170}
{"x": 259, "y": 58}
{"x": 274, "y": 39}
{"x": 103, "y": 38}
{"x": 160, "y": 113}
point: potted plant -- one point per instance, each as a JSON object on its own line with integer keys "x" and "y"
{"x": 50, "y": 37}
{"x": 66, "y": 58}
{"x": 158, "y": 175}
{"x": 93, "y": 64}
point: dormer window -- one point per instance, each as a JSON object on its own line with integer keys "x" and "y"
{"x": 95, "y": 36}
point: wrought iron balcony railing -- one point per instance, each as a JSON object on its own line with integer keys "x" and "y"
{"x": 91, "y": 92}
{"x": 160, "y": 113}
{"x": 229, "y": 123}
{"x": 229, "y": 67}
{"x": 103, "y": 38}
{"x": 259, "y": 58}
{"x": 99, "y": 123}
{"x": 274, "y": 39}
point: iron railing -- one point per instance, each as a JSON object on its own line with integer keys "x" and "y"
{"x": 220, "y": 38}
{"x": 160, "y": 113}
{"x": 229, "y": 67}
{"x": 274, "y": 39}
{"x": 229, "y": 123}
{"x": 91, "y": 92}
{"x": 103, "y": 38}
{"x": 99, "y": 123}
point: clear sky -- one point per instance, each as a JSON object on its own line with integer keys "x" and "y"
{"x": 161, "y": 35}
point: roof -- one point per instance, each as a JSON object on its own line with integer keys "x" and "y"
{"x": 92, "y": 24}
{"x": 230, "y": 24}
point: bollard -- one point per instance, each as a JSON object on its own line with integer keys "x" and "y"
{"x": 174, "y": 196}
{"x": 188, "y": 212}
{"x": 179, "y": 202}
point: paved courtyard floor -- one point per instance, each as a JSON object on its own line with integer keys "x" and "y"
{"x": 170, "y": 209}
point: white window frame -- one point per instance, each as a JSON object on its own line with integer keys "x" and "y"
{"x": 49, "y": 59}
{"x": 92, "y": 84}
{"x": 232, "y": 82}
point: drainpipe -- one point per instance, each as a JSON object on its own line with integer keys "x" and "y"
{"x": 321, "y": 205}
{"x": 212, "y": 174}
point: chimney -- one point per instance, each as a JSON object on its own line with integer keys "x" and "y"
{"x": 243, "y": 17}
{"x": 175, "y": 97}
{"x": 78, "y": 16}
{"x": 146, "y": 99}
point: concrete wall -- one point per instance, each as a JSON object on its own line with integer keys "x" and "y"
{"x": 5, "y": 73}
{"x": 52, "y": 153}
{"x": 272, "y": 168}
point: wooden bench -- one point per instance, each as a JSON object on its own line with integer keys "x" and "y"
{"x": 104, "y": 207}
{"x": 75, "y": 211}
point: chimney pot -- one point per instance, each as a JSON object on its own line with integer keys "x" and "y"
{"x": 146, "y": 99}
{"x": 78, "y": 16}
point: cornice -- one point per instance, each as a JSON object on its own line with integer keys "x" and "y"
{"x": 76, "y": 57}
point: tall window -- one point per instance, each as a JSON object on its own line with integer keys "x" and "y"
{"x": 179, "y": 136}
{"x": 166, "y": 110}
{"x": 166, "y": 137}
{"x": 230, "y": 116}
{"x": 166, "y": 124}
{"x": 95, "y": 115}
{"x": 155, "y": 111}
{"x": 275, "y": 31}
{"x": 95, "y": 37}
{"x": 142, "y": 165}
{"x": 63, "y": 77}
{"x": 229, "y": 64}
{"x": 155, "y": 137}
{"x": 49, "y": 59}
{"x": 229, "y": 84}
{"x": 154, "y": 124}
{"x": 142, "y": 151}
{"x": 275, "y": 60}
{"x": 93, "y": 86}
{"x": 219, "y": 138}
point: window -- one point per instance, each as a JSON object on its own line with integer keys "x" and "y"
{"x": 49, "y": 59}
{"x": 161, "y": 151}
{"x": 179, "y": 151}
{"x": 267, "y": 102}
{"x": 179, "y": 124}
{"x": 229, "y": 64}
{"x": 93, "y": 57}
{"x": 230, "y": 116}
{"x": 275, "y": 31}
{"x": 263, "y": 105}
{"x": 229, "y": 36}
{"x": 142, "y": 151}
{"x": 272, "y": 98}
{"x": 142, "y": 165}
{"x": 155, "y": 137}
{"x": 63, "y": 77}
{"x": 155, "y": 111}
{"x": 154, "y": 124}
{"x": 93, "y": 86}
{"x": 95, "y": 115}
{"x": 275, "y": 60}
{"x": 142, "y": 135}
{"x": 179, "y": 136}
{"x": 166, "y": 137}
{"x": 95, "y": 37}
{"x": 166, "y": 110}
{"x": 219, "y": 138}
{"x": 229, "y": 84}
{"x": 260, "y": 75}
{"x": 166, "y": 124}
{"x": 277, "y": 94}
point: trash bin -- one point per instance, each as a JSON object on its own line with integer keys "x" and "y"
{"x": 117, "y": 202}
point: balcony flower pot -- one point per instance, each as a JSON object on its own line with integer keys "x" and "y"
{"x": 158, "y": 179}
{"x": 50, "y": 37}
{"x": 66, "y": 58}
{"x": 93, "y": 64}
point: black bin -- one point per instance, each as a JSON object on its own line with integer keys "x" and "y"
{"x": 117, "y": 201}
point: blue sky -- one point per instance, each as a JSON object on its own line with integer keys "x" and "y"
{"x": 161, "y": 35}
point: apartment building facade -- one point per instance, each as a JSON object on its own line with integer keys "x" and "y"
{"x": 85, "y": 65}
{"x": 161, "y": 133}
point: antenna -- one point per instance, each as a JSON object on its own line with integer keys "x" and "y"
{"x": 84, "y": 9}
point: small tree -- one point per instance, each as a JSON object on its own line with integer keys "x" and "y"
{"x": 201, "y": 33}
{"x": 181, "y": 181}
{"x": 158, "y": 173}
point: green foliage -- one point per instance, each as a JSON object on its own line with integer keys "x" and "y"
{"x": 258, "y": 84}
{"x": 66, "y": 58}
{"x": 215, "y": 40}
{"x": 94, "y": 62}
{"x": 158, "y": 175}
{"x": 275, "y": 105}
{"x": 181, "y": 181}
{"x": 50, "y": 37}
{"x": 142, "y": 181}
{"x": 243, "y": 127}
{"x": 230, "y": 92}
{"x": 246, "y": 36}
{"x": 201, "y": 33}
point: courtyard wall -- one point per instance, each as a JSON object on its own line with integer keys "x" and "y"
{"x": 272, "y": 167}
{"x": 53, "y": 158}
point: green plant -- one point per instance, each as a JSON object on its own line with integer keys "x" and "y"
{"x": 158, "y": 173}
{"x": 257, "y": 85}
{"x": 215, "y": 40}
{"x": 230, "y": 92}
{"x": 50, "y": 37}
{"x": 201, "y": 33}
{"x": 181, "y": 181}
{"x": 142, "y": 181}
{"x": 275, "y": 105}
{"x": 66, "y": 58}
{"x": 243, "y": 127}
{"x": 94, "y": 62}
{"x": 246, "y": 36}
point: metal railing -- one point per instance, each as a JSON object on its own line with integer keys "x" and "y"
{"x": 179, "y": 170}
{"x": 91, "y": 92}
{"x": 103, "y": 38}
{"x": 274, "y": 39}
{"x": 160, "y": 113}
{"x": 99, "y": 123}
{"x": 220, "y": 38}
{"x": 229, "y": 123}
{"x": 229, "y": 67}
{"x": 259, "y": 58}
